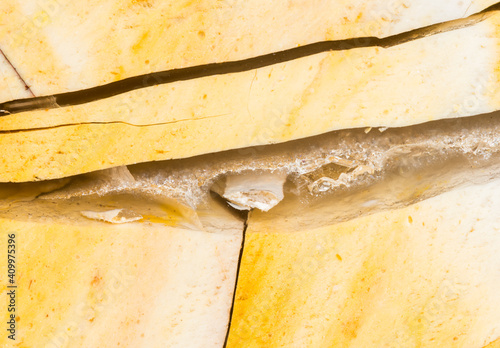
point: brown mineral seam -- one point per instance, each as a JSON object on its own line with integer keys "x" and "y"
{"x": 17, "y": 73}
{"x": 195, "y": 72}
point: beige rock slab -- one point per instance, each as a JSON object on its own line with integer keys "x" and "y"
{"x": 426, "y": 275}
{"x": 62, "y": 45}
{"x": 451, "y": 74}
{"x": 11, "y": 84}
{"x": 495, "y": 344}
{"x": 152, "y": 283}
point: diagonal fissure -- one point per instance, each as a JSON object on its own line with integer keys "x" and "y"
{"x": 199, "y": 71}
{"x": 17, "y": 73}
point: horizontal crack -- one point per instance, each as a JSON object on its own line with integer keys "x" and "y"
{"x": 108, "y": 122}
{"x": 183, "y": 74}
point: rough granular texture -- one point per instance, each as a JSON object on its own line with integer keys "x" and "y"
{"x": 317, "y": 166}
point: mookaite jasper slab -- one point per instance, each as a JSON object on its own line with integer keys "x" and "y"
{"x": 449, "y": 74}
{"x": 426, "y": 275}
{"x": 371, "y": 237}
{"x": 156, "y": 282}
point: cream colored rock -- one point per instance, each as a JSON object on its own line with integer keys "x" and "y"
{"x": 452, "y": 74}
{"x": 245, "y": 191}
{"x": 11, "y": 84}
{"x": 115, "y": 216}
{"x": 149, "y": 283}
{"x": 495, "y": 344}
{"x": 62, "y": 45}
{"x": 425, "y": 275}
